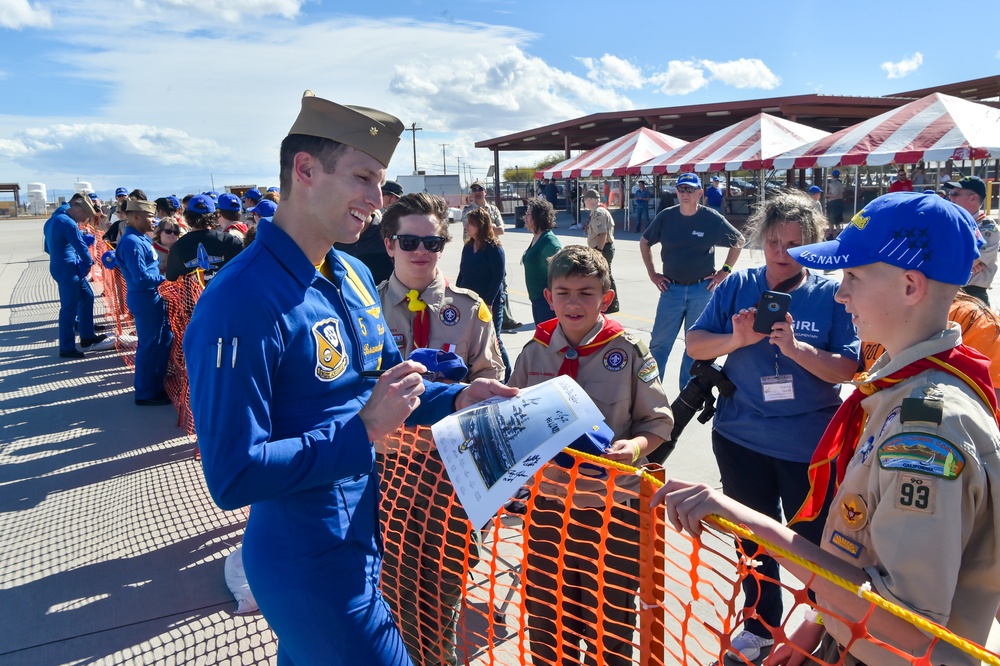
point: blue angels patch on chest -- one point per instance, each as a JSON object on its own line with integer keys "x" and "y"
{"x": 331, "y": 352}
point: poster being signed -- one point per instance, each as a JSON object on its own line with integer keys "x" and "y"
{"x": 493, "y": 448}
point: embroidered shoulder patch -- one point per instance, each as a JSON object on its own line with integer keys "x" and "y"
{"x": 854, "y": 511}
{"x": 648, "y": 371}
{"x": 485, "y": 315}
{"x": 846, "y": 544}
{"x": 921, "y": 454}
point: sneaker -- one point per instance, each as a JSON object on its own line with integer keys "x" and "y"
{"x": 155, "y": 401}
{"x": 102, "y": 342}
{"x": 71, "y": 353}
{"x": 511, "y": 325}
{"x": 748, "y": 646}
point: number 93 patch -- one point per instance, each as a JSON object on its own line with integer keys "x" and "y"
{"x": 916, "y": 493}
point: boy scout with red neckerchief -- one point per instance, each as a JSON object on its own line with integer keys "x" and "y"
{"x": 618, "y": 373}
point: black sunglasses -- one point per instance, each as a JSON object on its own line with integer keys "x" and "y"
{"x": 476, "y": 189}
{"x": 171, "y": 232}
{"x": 409, "y": 242}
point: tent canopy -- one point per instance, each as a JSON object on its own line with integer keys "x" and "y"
{"x": 934, "y": 128}
{"x": 614, "y": 158}
{"x": 745, "y": 145}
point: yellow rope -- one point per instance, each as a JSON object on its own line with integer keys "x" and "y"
{"x": 916, "y": 620}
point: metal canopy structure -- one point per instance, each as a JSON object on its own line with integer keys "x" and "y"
{"x": 615, "y": 158}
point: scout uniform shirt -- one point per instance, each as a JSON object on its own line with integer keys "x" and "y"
{"x": 600, "y": 222}
{"x": 459, "y": 322}
{"x": 918, "y": 507}
{"x": 987, "y": 253}
{"x": 622, "y": 379}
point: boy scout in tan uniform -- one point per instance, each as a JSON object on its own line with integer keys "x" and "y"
{"x": 430, "y": 539}
{"x": 618, "y": 373}
{"x": 459, "y": 322}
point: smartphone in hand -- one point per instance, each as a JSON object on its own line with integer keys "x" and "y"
{"x": 771, "y": 308}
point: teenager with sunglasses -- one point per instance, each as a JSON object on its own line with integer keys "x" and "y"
{"x": 420, "y": 305}
{"x": 422, "y": 309}
{"x": 166, "y": 234}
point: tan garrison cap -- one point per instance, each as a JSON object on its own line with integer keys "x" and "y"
{"x": 368, "y": 130}
{"x": 86, "y": 204}
{"x": 135, "y": 206}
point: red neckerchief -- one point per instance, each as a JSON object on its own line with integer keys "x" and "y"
{"x": 841, "y": 437}
{"x": 571, "y": 357}
{"x": 238, "y": 226}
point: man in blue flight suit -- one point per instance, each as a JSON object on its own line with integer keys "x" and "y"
{"x": 69, "y": 264}
{"x": 285, "y": 419}
{"x": 140, "y": 268}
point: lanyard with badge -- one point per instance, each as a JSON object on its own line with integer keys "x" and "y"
{"x": 781, "y": 387}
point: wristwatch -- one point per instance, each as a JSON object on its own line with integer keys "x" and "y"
{"x": 727, "y": 268}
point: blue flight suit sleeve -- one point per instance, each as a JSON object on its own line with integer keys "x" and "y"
{"x": 138, "y": 260}
{"x": 74, "y": 238}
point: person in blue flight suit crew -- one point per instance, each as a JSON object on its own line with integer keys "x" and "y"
{"x": 69, "y": 264}
{"x": 140, "y": 268}
{"x": 285, "y": 419}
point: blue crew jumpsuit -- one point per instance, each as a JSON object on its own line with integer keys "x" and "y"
{"x": 137, "y": 262}
{"x": 274, "y": 351}
{"x": 69, "y": 263}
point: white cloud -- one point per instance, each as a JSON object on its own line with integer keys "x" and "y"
{"x": 743, "y": 73}
{"x": 681, "y": 78}
{"x": 897, "y": 70}
{"x": 17, "y": 14}
{"x": 613, "y": 72}
{"x": 110, "y": 149}
{"x": 234, "y": 10}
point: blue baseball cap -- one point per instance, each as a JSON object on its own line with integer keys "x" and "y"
{"x": 93, "y": 196}
{"x": 909, "y": 230}
{"x": 212, "y": 194}
{"x": 253, "y": 193}
{"x": 265, "y": 208}
{"x": 174, "y": 201}
{"x": 201, "y": 203}
{"x": 689, "y": 179}
{"x": 715, "y": 179}
{"x": 274, "y": 189}
{"x": 229, "y": 201}
{"x": 835, "y": 173}
{"x": 121, "y": 192}
{"x": 815, "y": 189}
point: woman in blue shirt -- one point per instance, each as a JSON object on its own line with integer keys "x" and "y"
{"x": 483, "y": 268}
{"x": 787, "y": 387}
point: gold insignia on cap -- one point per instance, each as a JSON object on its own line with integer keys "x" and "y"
{"x": 368, "y": 130}
{"x": 859, "y": 220}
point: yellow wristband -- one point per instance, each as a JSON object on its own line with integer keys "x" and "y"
{"x": 637, "y": 453}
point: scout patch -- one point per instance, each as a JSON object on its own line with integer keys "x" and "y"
{"x": 399, "y": 339}
{"x": 889, "y": 419}
{"x": 450, "y": 315}
{"x": 866, "y": 450}
{"x": 916, "y": 493}
{"x": 922, "y": 454}
{"x": 848, "y": 545}
{"x": 648, "y": 372}
{"x": 854, "y": 511}
{"x": 331, "y": 361}
{"x": 615, "y": 360}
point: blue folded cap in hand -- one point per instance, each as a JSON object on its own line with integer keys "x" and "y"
{"x": 596, "y": 443}
{"x": 440, "y": 364}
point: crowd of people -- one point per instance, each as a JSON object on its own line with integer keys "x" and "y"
{"x": 297, "y": 360}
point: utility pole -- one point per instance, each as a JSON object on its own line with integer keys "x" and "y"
{"x": 413, "y": 128}
{"x": 458, "y": 166}
{"x": 444, "y": 163}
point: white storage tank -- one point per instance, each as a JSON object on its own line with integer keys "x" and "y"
{"x": 83, "y": 187}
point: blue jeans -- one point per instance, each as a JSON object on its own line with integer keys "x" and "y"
{"x": 678, "y": 304}
{"x": 641, "y": 213}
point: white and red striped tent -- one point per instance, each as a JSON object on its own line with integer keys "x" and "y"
{"x": 744, "y": 145}
{"x": 931, "y": 129}
{"x": 615, "y": 157}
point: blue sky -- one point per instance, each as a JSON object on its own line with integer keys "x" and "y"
{"x": 168, "y": 94}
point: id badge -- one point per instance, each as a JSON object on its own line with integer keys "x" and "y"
{"x": 778, "y": 387}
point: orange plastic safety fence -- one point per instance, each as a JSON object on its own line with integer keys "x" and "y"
{"x": 180, "y": 296}
{"x": 574, "y": 579}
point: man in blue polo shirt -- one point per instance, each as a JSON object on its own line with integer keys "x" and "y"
{"x": 714, "y": 195}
